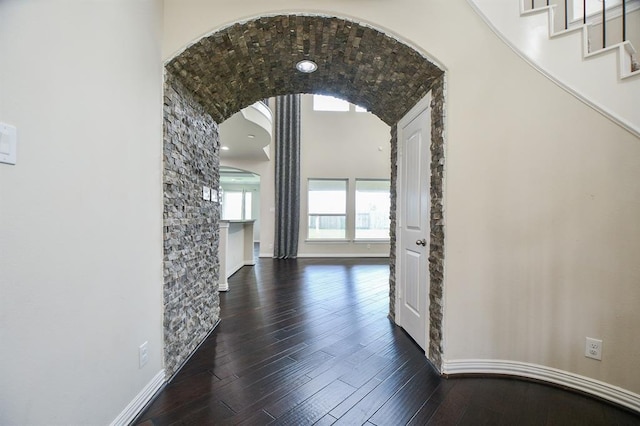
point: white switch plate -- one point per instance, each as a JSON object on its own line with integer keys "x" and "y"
{"x": 143, "y": 354}
{"x": 206, "y": 193}
{"x": 8, "y": 143}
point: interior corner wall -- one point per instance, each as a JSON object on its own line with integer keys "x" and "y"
{"x": 191, "y": 234}
{"x": 81, "y": 211}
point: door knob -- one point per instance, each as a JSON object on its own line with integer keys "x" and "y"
{"x": 421, "y": 242}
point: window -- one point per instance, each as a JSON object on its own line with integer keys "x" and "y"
{"x": 327, "y": 209}
{"x": 236, "y": 205}
{"x": 329, "y": 201}
{"x": 372, "y": 209}
{"x": 232, "y": 205}
{"x": 329, "y": 103}
{"x": 247, "y": 205}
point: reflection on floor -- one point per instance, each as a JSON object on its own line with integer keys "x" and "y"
{"x": 308, "y": 341}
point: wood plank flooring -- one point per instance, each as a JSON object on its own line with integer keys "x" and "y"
{"x": 308, "y": 341}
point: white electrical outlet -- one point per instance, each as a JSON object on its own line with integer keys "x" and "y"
{"x": 593, "y": 348}
{"x": 143, "y": 354}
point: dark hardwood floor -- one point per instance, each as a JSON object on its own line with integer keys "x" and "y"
{"x": 309, "y": 342}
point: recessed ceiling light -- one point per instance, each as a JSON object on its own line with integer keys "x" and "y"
{"x": 306, "y": 66}
{"x": 251, "y": 136}
{"x": 224, "y": 148}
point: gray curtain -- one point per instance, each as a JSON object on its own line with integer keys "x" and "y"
{"x": 287, "y": 164}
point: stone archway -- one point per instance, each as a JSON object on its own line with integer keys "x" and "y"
{"x": 232, "y": 68}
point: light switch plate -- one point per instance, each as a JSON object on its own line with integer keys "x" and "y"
{"x": 206, "y": 193}
{"x": 8, "y": 143}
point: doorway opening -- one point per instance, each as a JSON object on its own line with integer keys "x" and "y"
{"x": 236, "y": 66}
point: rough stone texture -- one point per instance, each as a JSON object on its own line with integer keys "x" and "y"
{"x": 436, "y": 243}
{"x": 393, "y": 222}
{"x": 249, "y": 61}
{"x": 191, "y": 161}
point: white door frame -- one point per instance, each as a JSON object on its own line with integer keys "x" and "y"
{"x": 417, "y": 109}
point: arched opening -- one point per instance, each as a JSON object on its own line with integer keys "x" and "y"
{"x": 234, "y": 67}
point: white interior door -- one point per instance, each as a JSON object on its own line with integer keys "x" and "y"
{"x": 414, "y": 158}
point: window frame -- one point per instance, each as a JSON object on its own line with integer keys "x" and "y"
{"x": 349, "y": 106}
{"x": 339, "y": 104}
{"x": 350, "y": 215}
{"x": 243, "y": 203}
{"x": 356, "y": 238}
{"x": 309, "y": 238}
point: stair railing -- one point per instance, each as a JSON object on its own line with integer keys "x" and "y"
{"x": 589, "y": 12}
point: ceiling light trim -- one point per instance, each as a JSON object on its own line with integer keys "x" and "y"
{"x": 306, "y": 66}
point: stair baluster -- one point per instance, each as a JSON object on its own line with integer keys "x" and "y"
{"x": 624, "y": 20}
{"x": 569, "y": 9}
{"x": 604, "y": 23}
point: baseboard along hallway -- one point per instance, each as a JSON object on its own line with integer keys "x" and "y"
{"x": 308, "y": 341}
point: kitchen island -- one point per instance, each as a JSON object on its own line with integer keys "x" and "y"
{"x": 235, "y": 249}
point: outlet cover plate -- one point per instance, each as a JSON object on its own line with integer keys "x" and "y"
{"x": 593, "y": 348}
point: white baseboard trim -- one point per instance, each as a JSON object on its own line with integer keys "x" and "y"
{"x": 584, "y": 384}
{"x": 141, "y": 400}
{"x": 235, "y": 268}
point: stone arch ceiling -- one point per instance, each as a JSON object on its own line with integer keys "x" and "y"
{"x": 238, "y": 65}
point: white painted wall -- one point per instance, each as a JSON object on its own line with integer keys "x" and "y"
{"x": 235, "y": 248}
{"x": 542, "y": 230}
{"x": 563, "y": 58}
{"x": 542, "y": 236}
{"x": 341, "y": 145}
{"x": 81, "y": 212}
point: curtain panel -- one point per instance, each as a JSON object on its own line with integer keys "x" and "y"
{"x": 287, "y": 175}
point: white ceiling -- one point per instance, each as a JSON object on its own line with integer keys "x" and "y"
{"x": 247, "y": 134}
